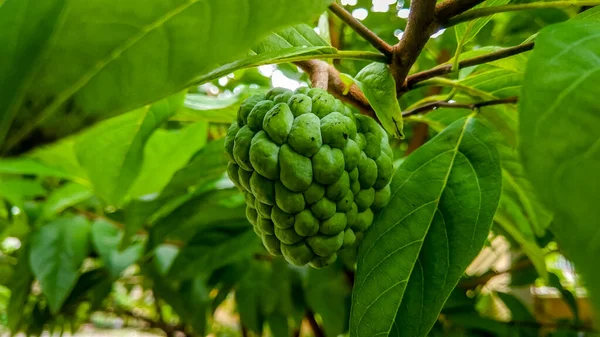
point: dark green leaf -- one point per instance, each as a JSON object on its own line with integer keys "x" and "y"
{"x": 106, "y": 238}
{"x": 444, "y": 196}
{"x": 563, "y": 171}
{"x": 209, "y": 251}
{"x": 26, "y": 32}
{"x": 378, "y": 84}
{"x": 112, "y": 151}
{"x": 253, "y": 287}
{"x": 20, "y": 286}
{"x": 118, "y": 36}
{"x": 278, "y": 324}
{"x": 57, "y": 250}
{"x": 332, "y": 285}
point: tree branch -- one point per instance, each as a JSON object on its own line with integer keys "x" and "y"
{"x": 361, "y": 29}
{"x": 336, "y": 86}
{"x": 487, "y": 11}
{"x": 447, "y": 68}
{"x": 421, "y": 24}
{"x": 471, "y": 106}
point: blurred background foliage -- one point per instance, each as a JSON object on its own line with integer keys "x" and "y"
{"x": 129, "y": 220}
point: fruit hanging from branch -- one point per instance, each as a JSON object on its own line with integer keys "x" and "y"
{"x": 313, "y": 172}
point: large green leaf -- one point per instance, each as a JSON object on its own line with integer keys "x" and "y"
{"x": 57, "y": 250}
{"x": 26, "y": 31}
{"x": 133, "y": 52}
{"x": 106, "y": 238}
{"x": 164, "y": 154}
{"x": 112, "y": 151}
{"x": 444, "y": 196}
{"x": 378, "y": 84}
{"x": 560, "y": 129}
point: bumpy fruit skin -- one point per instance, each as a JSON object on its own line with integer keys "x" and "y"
{"x": 313, "y": 173}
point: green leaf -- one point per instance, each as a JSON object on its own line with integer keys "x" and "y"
{"x": 20, "y": 286}
{"x": 57, "y": 250}
{"x": 61, "y": 156}
{"x": 468, "y": 30}
{"x": 29, "y": 167}
{"x": 106, "y": 238}
{"x": 331, "y": 284}
{"x": 68, "y": 195}
{"x": 278, "y": 324}
{"x": 207, "y": 165}
{"x": 25, "y": 34}
{"x": 564, "y": 171}
{"x": 17, "y": 191}
{"x": 209, "y": 251}
{"x": 164, "y": 154}
{"x": 253, "y": 287}
{"x": 111, "y": 152}
{"x": 199, "y": 107}
{"x": 119, "y": 37}
{"x": 164, "y": 255}
{"x": 444, "y": 196}
{"x": 378, "y": 85}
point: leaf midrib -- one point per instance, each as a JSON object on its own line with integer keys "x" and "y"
{"x": 437, "y": 200}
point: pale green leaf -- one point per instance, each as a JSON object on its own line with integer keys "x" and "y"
{"x": 166, "y": 152}
{"x": 378, "y": 85}
{"x": 111, "y": 152}
{"x": 135, "y": 51}
{"x": 444, "y": 196}
{"x": 61, "y": 156}
{"x": 57, "y": 251}
{"x": 18, "y": 190}
{"x": 559, "y": 130}
{"x": 106, "y": 238}
{"x": 64, "y": 197}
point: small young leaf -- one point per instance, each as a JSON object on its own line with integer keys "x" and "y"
{"x": 468, "y": 30}
{"x": 20, "y": 287}
{"x": 444, "y": 196}
{"x": 564, "y": 170}
{"x": 57, "y": 250}
{"x": 106, "y": 238}
{"x": 377, "y": 83}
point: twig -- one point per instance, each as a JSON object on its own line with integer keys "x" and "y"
{"x": 337, "y": 87}
{"x": 317, "y": 331}
{"x": 447, "y": 68}
{"x": 361, "y": 29}
{"x": 471, "y": 106}
{"x": 421, "y": 24}
{"x": 486, "y": 11}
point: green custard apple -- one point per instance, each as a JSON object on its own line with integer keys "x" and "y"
{"x": 313, "y": 173}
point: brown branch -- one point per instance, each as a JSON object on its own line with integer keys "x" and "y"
{"x": 421, "y": 24}
{"x": 317, "y": 331}
{"x": 471, "y": 106}
{"x": 361, "y": 29}
{"x": 336, "y": 86}
{"x": 447, "y": 68}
